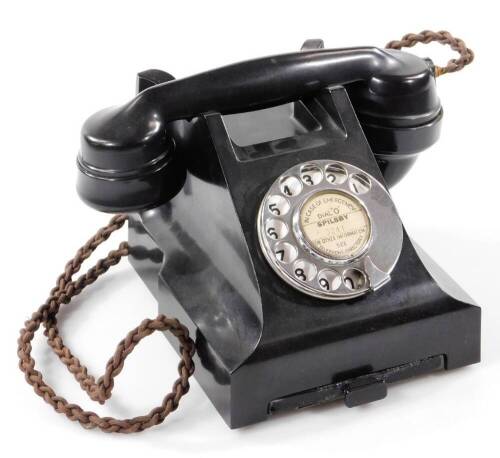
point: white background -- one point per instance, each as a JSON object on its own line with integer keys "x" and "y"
{"x": 61, "y": 61}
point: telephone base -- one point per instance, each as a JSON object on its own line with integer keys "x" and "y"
{"x": 262, "y": 345}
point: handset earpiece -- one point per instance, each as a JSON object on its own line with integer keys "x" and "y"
{"x": 127, "y": 159}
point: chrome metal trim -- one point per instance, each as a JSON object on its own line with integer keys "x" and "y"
{"x": 379, "y": 255}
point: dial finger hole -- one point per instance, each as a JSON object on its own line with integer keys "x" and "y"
{"x": 335, "y": 173}
{"x": 276, "y": 229}
{"x": 285, "y": 252}
{"x": 359, "y": 183}
{"x": 311, "y": 174}
{"x": 290, "y": 186}
{"x": 304, "y": 270}
{"x": 354, "y": 279}
{"x": 329, "y": 280}
{"x": 278, "y": 205}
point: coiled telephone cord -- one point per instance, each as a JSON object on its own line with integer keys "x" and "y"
{"x": 67, "y": 287}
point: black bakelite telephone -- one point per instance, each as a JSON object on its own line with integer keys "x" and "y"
{"x": 259, "y": 216}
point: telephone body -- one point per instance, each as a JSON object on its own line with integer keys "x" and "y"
{"x": 260, "y": 217}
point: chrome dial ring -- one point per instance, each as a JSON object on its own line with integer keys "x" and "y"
{"x": 330, "y": 230}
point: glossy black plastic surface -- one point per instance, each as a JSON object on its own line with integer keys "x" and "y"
{"x": 258, "y": 340}
{"x": 128, "y": 160}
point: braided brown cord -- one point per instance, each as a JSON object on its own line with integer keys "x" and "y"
{"x": 66, "y": 288}
{"x": 443, "y": 37}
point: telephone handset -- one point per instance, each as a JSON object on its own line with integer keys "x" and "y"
{"x": 259, "y": 216}
{"x": 127, "y": 153}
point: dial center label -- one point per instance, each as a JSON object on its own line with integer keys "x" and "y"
{"x": 335, "y": 224}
